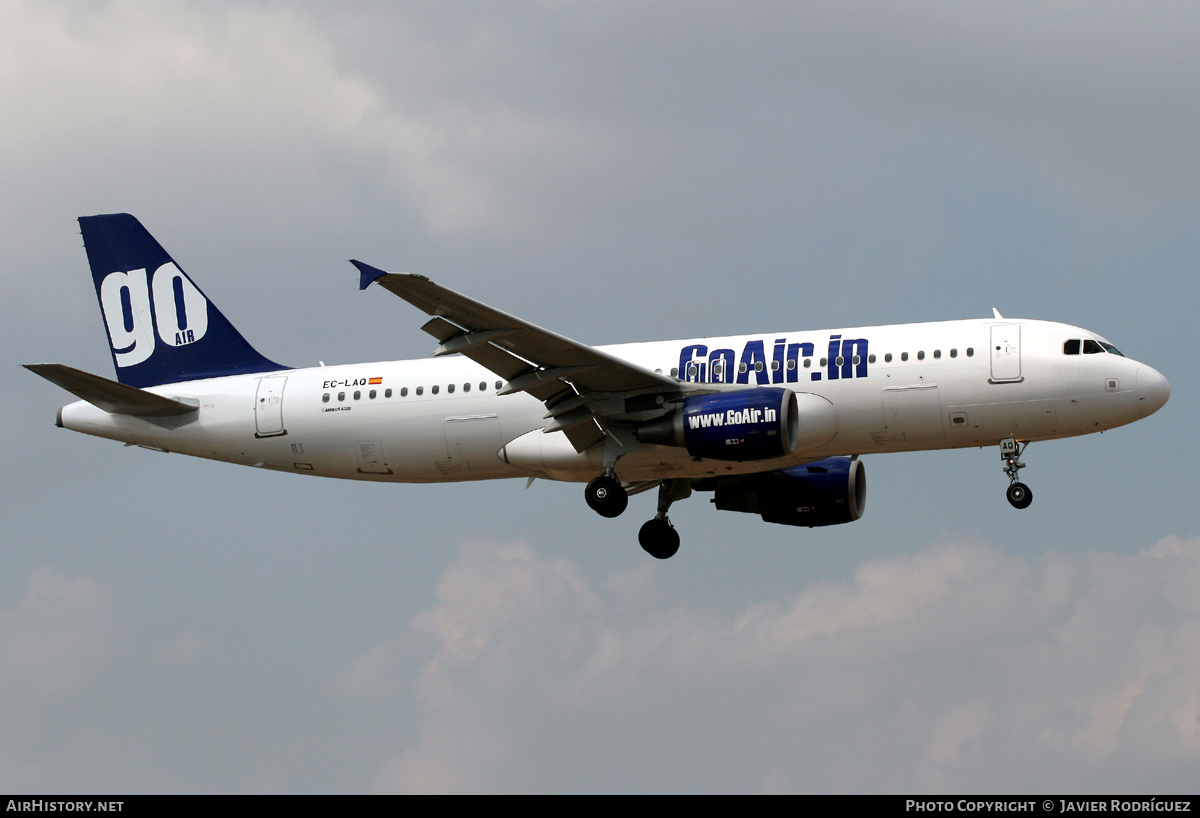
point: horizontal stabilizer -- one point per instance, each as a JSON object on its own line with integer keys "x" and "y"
{"x": 114, "y": 398}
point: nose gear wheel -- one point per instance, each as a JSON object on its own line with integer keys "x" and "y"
{"x": 1018, "y": 494}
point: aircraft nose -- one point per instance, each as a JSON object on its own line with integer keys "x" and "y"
{"x": 1153, "y": 390}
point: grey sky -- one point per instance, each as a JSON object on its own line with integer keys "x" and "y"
{"x": 616, "y": 172}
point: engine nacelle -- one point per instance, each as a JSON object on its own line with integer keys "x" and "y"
{"x": 749, "y": 424}
{"x": 827, "y": 492}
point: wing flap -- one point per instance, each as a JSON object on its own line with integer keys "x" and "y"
{"x": 585, "y": 436}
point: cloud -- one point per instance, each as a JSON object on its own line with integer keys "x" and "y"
{"x": 957, "y": 668}
{"x": 55, "y": 646}
{"x": 196, "y": 101}
{"x": 53, "y": 635}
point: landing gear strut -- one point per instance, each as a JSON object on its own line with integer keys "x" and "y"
{"x": 606, "y": 495}
{"x": 658, "y": 537}
{"x": 1018, "y": 493}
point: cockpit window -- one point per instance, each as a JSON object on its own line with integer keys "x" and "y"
{"x": 1090, "y": 347}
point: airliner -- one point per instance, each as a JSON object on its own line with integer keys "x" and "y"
{"x": 772, "y": 424}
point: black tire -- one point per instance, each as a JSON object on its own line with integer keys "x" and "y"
{"x": 606, "y": 496}
{"x": 1019, "y": 495}
{"x": 659, "y": 538}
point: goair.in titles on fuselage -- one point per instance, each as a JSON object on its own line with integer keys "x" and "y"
{"x": 846, "y": 358}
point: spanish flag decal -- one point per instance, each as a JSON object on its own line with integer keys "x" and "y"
{"x": 374, "y": 381}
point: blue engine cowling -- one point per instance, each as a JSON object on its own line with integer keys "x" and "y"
{"x": 749, "y": 424}
{"x": 746, "y": 424}
{"x": 827, "y": 492}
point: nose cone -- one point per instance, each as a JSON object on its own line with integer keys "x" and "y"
{"x": 1153, "y": 390}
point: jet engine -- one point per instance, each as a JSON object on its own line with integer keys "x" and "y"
{"x": 749, "y": 424}
{"x": 827, "y": 492}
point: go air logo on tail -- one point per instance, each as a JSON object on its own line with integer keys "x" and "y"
{"x": 136, "y": 305}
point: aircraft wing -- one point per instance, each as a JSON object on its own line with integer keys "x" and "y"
{"x": 547, "y": 365}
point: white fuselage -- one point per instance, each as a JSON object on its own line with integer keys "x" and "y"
{"x": 897, "y": 388}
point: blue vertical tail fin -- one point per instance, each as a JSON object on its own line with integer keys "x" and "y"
{"x": 161, "y": 327}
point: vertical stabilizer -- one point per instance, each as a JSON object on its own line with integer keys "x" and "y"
{"x": 161, "y": 327}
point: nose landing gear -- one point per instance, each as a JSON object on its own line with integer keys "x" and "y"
{"x": 1018, "y": 494}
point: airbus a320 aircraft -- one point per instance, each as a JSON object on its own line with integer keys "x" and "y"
{"x": 771, "y": 423}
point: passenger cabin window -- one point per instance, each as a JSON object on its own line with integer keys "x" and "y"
{"x": 325, "y": 398}
{"x": 420, "y": 390}
{"x": 904, "y": 356}
{"x": 921, "y": 355}
{"x": 434, "y": 389}
{"x": 970, "y": 352}
{"x": 954, "y": 353}
{"x": 887, "y": 359}
{"x": 450, "y": 388}
{"x": 387, "y": 393}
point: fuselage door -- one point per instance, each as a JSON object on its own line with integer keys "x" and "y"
{"x": 1006, "y": 353}
{"x": 268, "y": 406}
{"x": 472, "y": 439}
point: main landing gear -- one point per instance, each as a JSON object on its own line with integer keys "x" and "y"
{"x": 658, "y": 537}
{"x": 1018, "y": 493}
{"x": 606, "y": 496}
